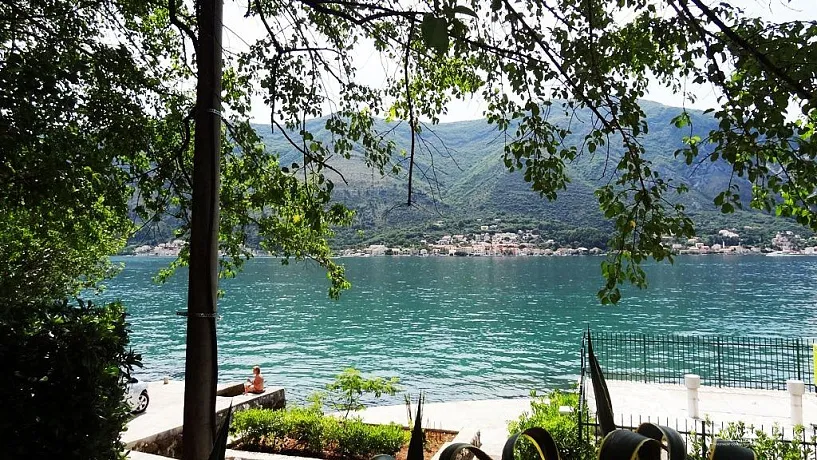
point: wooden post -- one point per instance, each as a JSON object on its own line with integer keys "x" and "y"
{"x": 201, "y": 368}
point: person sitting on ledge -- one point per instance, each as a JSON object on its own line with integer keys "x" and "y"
{"x": 256, "y": 384}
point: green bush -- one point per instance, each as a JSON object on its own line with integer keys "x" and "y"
{"x": 307, "y": 426}
{"x": 258, "y": 426}
{"x": 563, "y": 427}
{"x": 268, "y": 429}
{"x": 766, "y": 446}
{"x": 353, "y": 438}
{"x": 346, "y": 391}
{"x": 60, "y": 387}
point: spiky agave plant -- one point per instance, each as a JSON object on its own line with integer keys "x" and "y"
{"x": 418, "y": 437}
{"x": 220, "y": 443}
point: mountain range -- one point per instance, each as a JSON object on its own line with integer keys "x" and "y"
{"x": 461, "y": 183}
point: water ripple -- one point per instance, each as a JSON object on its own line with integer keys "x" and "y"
{"x": 458, "y": 328}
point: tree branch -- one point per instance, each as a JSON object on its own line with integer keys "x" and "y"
{"x": 174, "y": 19}
{"x": 764, "y": 61}
{"x": 410, "y": 107}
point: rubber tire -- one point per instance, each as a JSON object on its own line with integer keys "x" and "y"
{"x": 140, "y": 407}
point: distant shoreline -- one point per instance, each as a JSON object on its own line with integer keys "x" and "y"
{"x": 810, "y": 252}
{"x": 527, "y": 244}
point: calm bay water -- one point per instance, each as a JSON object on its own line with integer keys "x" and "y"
{"x": 457, "y": 328}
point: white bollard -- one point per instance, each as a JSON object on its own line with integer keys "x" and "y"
{"x": 692, "y": 382}
{"x": 565, "y": 410}
{"x": 796, "y": 389}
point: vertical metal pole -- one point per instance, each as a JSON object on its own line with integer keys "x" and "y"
{"x": 703, "y": 440}
{"x": 580, "y": 425}
{"x": 798, "y": 345}
{"x": 644, "y": 354}
{"x": 201, "y": 368}
{"x": 814, "y": 372}
{"x": 718, "y": 348}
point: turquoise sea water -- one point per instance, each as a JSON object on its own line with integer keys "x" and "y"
{"x": 457, "y": 328}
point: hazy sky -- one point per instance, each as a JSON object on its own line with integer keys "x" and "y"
{"x": 372, "y": 70}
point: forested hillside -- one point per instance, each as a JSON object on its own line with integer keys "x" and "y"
{"x": 461, "y": 183}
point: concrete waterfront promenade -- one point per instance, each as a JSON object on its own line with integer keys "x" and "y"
{"x": 635, "y": 402}
{"x": 490, "y": 417}
{"x": 158, "y": 429}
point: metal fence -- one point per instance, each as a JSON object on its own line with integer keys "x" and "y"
{"x": 742, "y": 362}
{"x": 699, "y": 435}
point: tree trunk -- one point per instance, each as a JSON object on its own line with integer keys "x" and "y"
{"x": 201, "y": 366}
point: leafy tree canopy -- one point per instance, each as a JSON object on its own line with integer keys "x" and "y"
{"x": 97, "y": 102}
{"x": 531, "y": 59}
{"x": 97, "y": 105}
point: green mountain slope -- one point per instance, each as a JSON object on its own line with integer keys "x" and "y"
{"x": 462, "y": 184}
{"x": 460, "y": 177}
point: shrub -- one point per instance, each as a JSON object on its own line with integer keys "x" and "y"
{"x": 306, "y": 426}
{"x": 766, "y": 446}
{"x": 268, "y": 428}
{"x": 563, "y": 427}
{"x": 61, "y": 386}
{"x": 774, "y": 447}
{"x": 349, "y": 386}
{"x": 387, "y": 439}
{"x": 264, "y": 428}
{"x": 258, "y": 426}
{"x": 353, "y": 438}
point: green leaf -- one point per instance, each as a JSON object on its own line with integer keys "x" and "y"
{"x": 435, "y": 33}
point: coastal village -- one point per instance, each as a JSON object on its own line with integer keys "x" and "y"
{"x": 528, "y": 243}
{"x": 531, "y": 243}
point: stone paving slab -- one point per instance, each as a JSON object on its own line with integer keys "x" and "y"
{"x": 634, "y": 402}
{"x": 242, "y": 455}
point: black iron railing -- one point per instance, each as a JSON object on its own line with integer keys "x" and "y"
{"x": 699, "y": 435}
{"x": 740, "y": 362}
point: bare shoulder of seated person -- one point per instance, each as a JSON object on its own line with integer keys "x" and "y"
{"x": 256, "y": 384}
